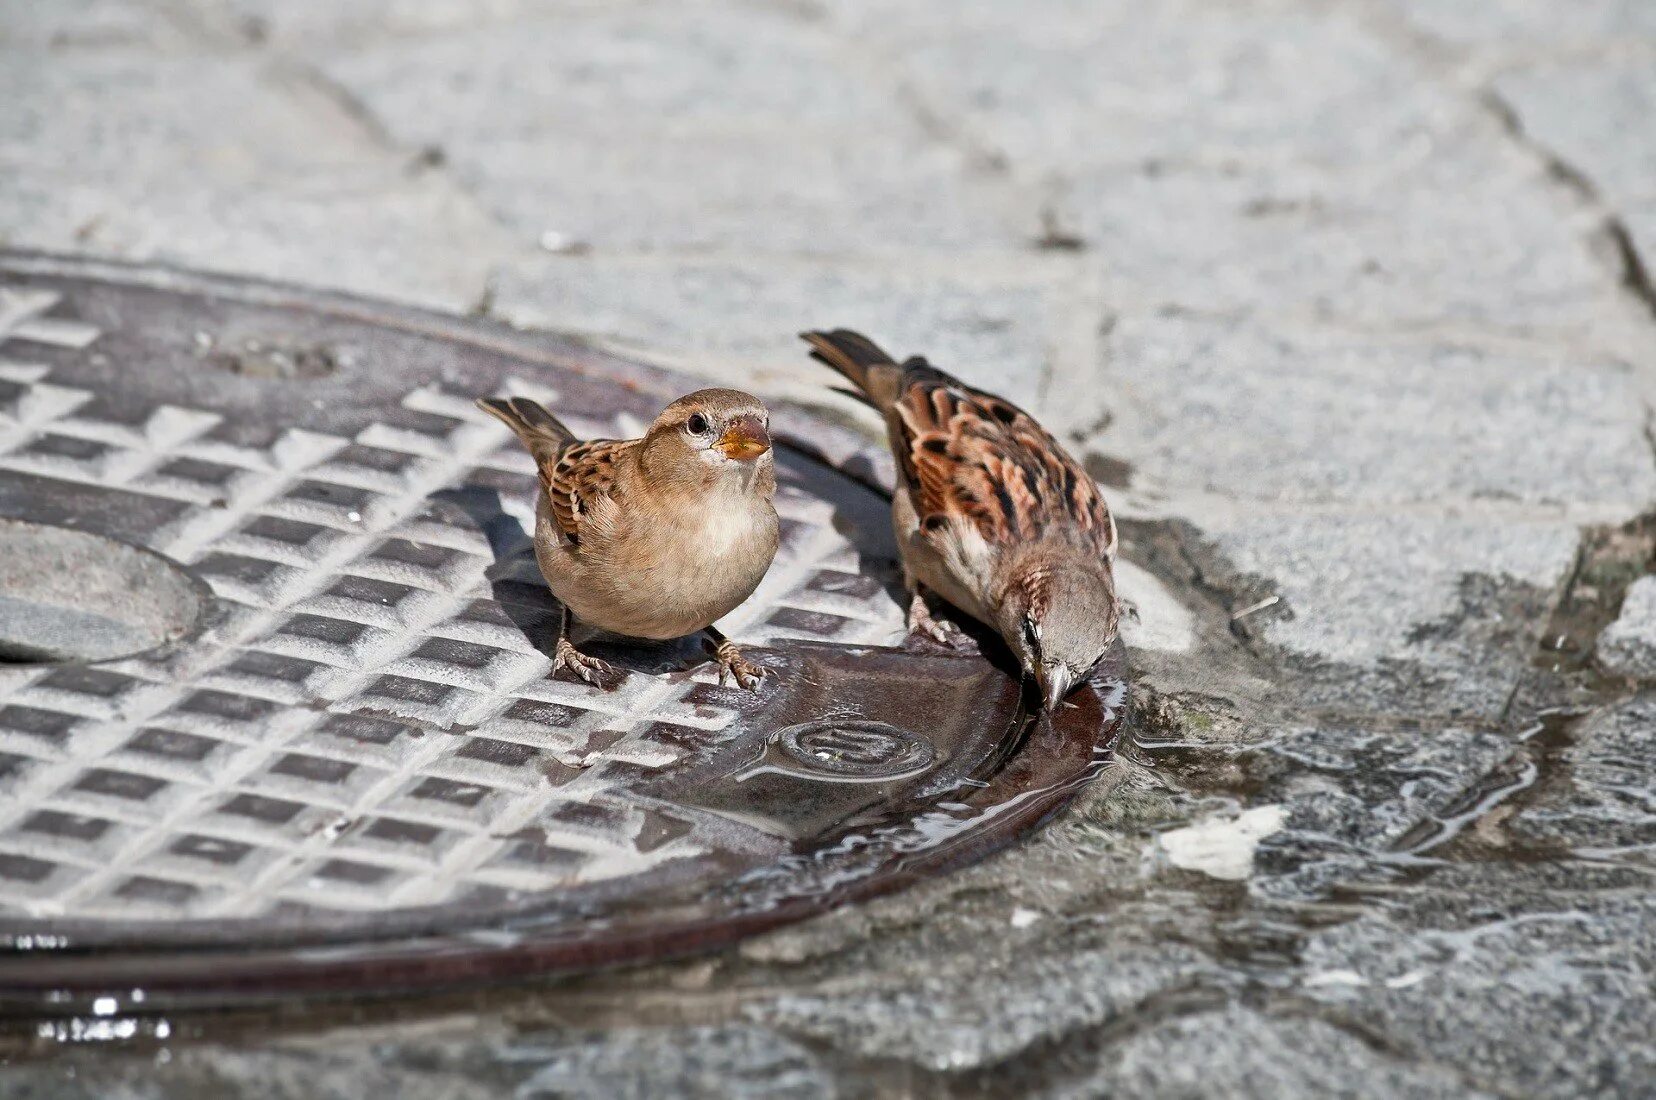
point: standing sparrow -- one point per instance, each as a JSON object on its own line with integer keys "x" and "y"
{"x": 656, "y": 537}
{"x": 991, "y": 514}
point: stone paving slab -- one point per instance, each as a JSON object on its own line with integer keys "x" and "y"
{"x": 949, "y": 1024}
{"x": 84, "y": 24}
{"x": 1467, "y": 238}
{"x": 1060, "y": 88}
{"x": 397, "y": 238}
{"x": 219, "y": 163}
{"x": 1238, "y": 1052}
{"x": 1356, "y": 799}
{"x": 1531, "y": 24}
{"x": 1004, "y": 330}
{"x": 1607, "y": 812}
{"x": 326, "y": 23}
{"x": 1583, "y": 110}
{"x": 1318, "y": 415}
{"x": 148, "y": 118}
{"x": 782, "y": 144}
{"x": 1640, "y": 220}
{"x": 1399, "y": 614}
{"x": 1565, "y": 972}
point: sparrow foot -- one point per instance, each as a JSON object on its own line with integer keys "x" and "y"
{"x": 922, "y": 621}
{"x": 595, "y": 672}
{"x": 734, "y": 666}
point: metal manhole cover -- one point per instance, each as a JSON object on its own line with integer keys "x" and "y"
{"x": 351, "y": 771}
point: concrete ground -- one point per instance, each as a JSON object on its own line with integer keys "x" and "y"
{"x": 1350, "y": 305}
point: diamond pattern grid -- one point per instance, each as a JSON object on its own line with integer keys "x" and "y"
{"x": 364, "y": 728}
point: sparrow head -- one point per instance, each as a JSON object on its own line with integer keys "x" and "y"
{"x": 725, "y": 430}
{"x": 1059, "y": 620}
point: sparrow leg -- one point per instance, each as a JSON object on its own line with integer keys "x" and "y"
{"x": 733, "y": 664}
{"x": 591, "y": 669}
{"x": 921, "y": 620}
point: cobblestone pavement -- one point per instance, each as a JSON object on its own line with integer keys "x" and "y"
{"x": 1349, "y": 302}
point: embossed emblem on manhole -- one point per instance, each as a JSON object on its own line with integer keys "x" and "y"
{"x": 321, "y": 748}
{"x": 850, "y": 750}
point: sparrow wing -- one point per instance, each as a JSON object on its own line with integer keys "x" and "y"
{"x": 971, "y": 455}
{"x": 577, "y": 475}
{"x": 580, "y": 479}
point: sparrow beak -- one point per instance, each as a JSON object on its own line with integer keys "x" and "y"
{"x": 1055, "y": 683}
{"x": 745, "y": 438}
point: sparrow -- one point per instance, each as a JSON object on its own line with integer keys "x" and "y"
{"x": 657, "y": 537}
{"x": 991, "y": 514}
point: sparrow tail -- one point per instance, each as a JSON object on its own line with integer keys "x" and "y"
{"x": 860, "y": 359}
{"x": 544, "y": 434}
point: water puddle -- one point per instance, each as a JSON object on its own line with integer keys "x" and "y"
{"x": 1470, "y": 827}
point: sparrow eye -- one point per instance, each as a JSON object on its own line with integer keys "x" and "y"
{"x": 1032, "y": 634}
{"x": 697, "y": 424}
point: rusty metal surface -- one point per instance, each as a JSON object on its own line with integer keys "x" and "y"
{"x": 358, "y": 775}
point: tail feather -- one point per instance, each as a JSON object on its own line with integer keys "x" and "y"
{"x": 861, "y": 360}
{"x": 854, "y": 394}
{"x": 544, "y": 434}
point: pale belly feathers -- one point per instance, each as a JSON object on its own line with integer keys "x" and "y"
{"x": 692, "y": 567}
{"x": 957, "y": 567}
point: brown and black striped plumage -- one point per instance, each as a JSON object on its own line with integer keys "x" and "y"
{"x": 992, "y": 513}
{"x": 583, "y": 474}
{"x": 975, "y": 454}
{"x": 576, "y": 475}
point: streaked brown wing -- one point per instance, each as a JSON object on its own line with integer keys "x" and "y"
{"x": 972, "y": 454}
{"x": 582, "y": 476}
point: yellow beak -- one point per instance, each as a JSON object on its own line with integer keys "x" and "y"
{"x": 746, "y": 438}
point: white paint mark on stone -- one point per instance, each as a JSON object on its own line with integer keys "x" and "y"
{"x": 1222, "y": 847}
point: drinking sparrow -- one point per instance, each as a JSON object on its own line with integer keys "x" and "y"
{"x": 991, "y": 514}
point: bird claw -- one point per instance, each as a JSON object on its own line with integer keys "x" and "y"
{"x": 734, "y": 666}
{"x": 922, "y": 622}
{"x": 591, "y": 669}
{"x": 1127, "y": 609}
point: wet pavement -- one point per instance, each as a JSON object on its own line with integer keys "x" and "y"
{"x": 1347, "y": 301}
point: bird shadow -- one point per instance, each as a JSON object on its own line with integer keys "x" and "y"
{"x": 520, "y": 591}
{"x": 862, "y": 517}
